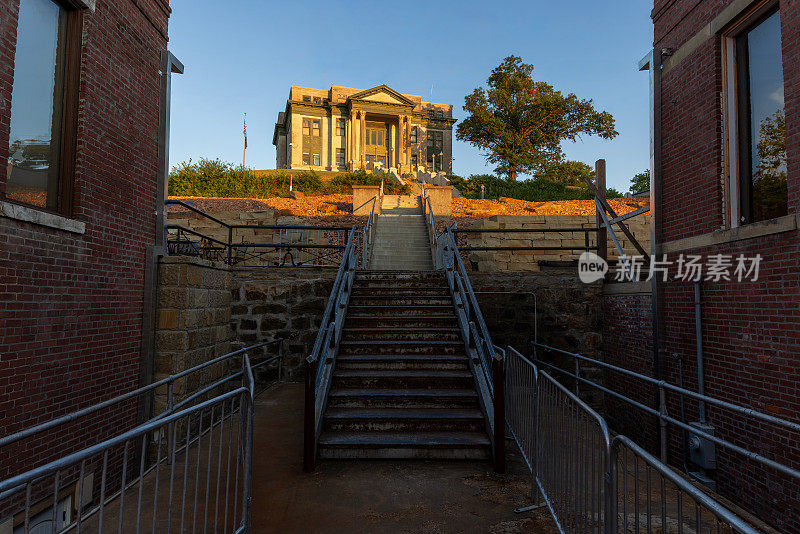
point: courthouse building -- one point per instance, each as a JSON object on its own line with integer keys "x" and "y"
{"x": 342, "y": 129}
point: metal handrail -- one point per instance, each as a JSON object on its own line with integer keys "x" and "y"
{"x": 663, "y": 386}
{"x": 478, "y": 341}
{"x": 163, "y": 426}
{"x": 168, "y": 381}
{"x": 369, "y": 230}
{"x": 713, "y": 506}
{"x": 233, "y": 253}
{"x": 320, "y": 363}
{"x": 588, "y": 497}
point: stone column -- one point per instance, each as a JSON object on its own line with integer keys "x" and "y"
{"x": 392, "y": 157}
{"x": 362, "y": 138}
{"x": 324, "y": 157}
{"x": 351, "y": 124}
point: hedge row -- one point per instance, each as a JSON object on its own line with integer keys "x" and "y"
{"x": 216, "y": 178}
{"x": 534, "y": 190}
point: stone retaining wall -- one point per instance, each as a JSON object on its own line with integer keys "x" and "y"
{"x": 193, "y": 318}
{"x": 287, "y": 303}
{"x": 569, "y": 314}
{"x": 528, "y": 260}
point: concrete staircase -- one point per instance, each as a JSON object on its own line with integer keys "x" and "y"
{"x": 402, "y": 387}
{"x": 401, "y": 237}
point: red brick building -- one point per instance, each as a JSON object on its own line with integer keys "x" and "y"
{"x": 80, "y": 114}
{"x": 726, "y": 181}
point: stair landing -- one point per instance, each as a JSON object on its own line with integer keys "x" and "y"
{"x": 401, "y": 236}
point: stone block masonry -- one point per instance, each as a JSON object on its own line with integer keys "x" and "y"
{"x": 529, "y": 260}
{"x": 193, "y": 323}
{"x": 568, "y": 312}
{"x": 287, "y": 303}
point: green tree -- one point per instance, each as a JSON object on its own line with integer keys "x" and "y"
{"x": 569, "y": 173}
{"x": 640, "y": 182}
{"x": 520, "y": 123}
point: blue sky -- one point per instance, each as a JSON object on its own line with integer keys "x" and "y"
{"x": 243, "y": 56}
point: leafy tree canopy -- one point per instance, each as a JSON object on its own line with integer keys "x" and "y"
{"x": 520, "y": 123}
{"x": 640, "y": 182}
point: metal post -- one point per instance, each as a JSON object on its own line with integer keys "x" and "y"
{"x": 612, "y": 500}
{"x": 602, "y": 233}
{"x": 246, "y": 413}
{"x": 662, "y": 408}
{"x": 498, "y": 377}
{"x": 309, "y": 435}
{"x": 230, "y": 245}
{"x": 170, "y": 433}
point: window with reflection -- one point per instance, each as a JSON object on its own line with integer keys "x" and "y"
{"x": 762, "y": 122}
{"x": 33, "y": 172}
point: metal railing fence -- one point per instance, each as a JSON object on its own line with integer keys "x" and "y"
{"x": 591, "y": 482}
{"x": 662, "y": 388}
{"x": 486, "y": 364}
{"x": 369, "y": 230}
{"x": 320, "y": 363}
{"x": 188, "y": 467}
{"x": 279, "y": 246}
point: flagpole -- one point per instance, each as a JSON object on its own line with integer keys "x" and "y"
{"x": 244, "y": 156}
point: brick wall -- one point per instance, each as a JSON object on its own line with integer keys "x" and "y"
{"x": 71, "y": 304}
{"x": 750, "y": 329}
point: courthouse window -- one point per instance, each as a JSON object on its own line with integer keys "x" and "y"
{"x": 316, "y": 159}
{"x": 339, "y": 126}
{"x": 316, "y": 129}
{"x": 761, "y": 121}
{"x": 43, "y": 106}
{"x": 306, "y": 127}
{"x": 306, "y": 158}
{"x": 413, "y": 135}
{"x": 340, "y": 157}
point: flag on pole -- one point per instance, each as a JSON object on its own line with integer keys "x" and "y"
{"x": 245, "y": 131}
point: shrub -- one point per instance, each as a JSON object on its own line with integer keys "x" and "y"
{"x": 344, "y": 182}
{"x": 216, "y": 178}
{"x": 533, "y": 190}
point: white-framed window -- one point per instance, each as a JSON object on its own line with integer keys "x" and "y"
{"x": 315, "y": 159}
{"x": 306, "y": 158}
{"x": 340, "y": 126}
{"x": 755, "y": 125}
{"x": 340, "y": 162}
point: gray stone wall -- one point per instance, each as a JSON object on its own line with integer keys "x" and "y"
{"x": 281, "y": 303}
{"x": 568, "y": 312}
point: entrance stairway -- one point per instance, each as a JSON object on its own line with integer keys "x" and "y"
{"x": 401, "y": 236}
{"x": 402, "y": 386}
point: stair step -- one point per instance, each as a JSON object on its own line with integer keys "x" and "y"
{"x": 404, "y": 347}
{"x": 394, "y": 398}
{"x": 401, "y": 310}
{"x": 359, "y": 291}
{"x": 402, "y": 362}
{"x": 398, "y": 321}
{"x": 421, "y": 445}
{"x": 403, "y": 420}
{"x": 421, "y": 335}
{"x": 406, "y": 378}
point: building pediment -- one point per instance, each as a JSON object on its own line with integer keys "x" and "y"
{"x": 382, "y": 94}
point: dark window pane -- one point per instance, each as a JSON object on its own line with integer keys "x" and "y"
{"x": 36, "y": 105}
{"x": 767, "y": 148}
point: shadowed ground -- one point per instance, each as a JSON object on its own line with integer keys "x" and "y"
{"x": 376, "y": 496}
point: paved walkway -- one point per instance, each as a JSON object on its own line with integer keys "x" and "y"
{"x": 376, "y": 496}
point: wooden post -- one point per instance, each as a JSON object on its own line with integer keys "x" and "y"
{"x": 602, "y": 234}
